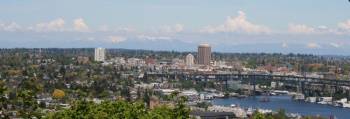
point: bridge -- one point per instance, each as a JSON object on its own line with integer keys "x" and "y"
{"x": 301, "y": 81}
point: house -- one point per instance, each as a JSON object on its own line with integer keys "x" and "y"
{"x": 212, "y": 115}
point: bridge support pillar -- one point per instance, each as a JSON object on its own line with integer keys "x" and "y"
{"x": 226, "y": 85}
{"x": 254, "y": 86}
{"x": 303, "y": 87}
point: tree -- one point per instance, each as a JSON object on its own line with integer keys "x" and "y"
{"x": 138, "y": 93}
{"x": 117, "y": 110}
{"x": 281, "y": 114}
{"x": 258, "y": 115}
{"x": 180, "y": 110}
{"x": 125, "y": 92}
{"x": 58, "y": 94}
{"x": 26, "y": 98}
{"x": 28, "y": 105}
{"x": 160, "y": 112}
{"x": 3, "y": 100}
{"x": 204, "y": 105}
{"x": 146, "y": 97}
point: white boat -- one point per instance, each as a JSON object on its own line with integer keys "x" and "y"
{"x": 250, "y": 111}
{"x": 299, "y": 96}
{"x": 322, "y": 102}
{"x": 311, "y": 99}
{"x": 346, "y": 105}
{"x": 233, "y": 105}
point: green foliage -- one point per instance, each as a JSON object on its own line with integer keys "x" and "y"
{"x": 29, "y": 108}
{"x": 162, "y": 112}
{"x": 3, "y": 100}
{"x": 204, "y": 105}
{"x": 258, "y": 115}
{"x": 3, "y": 90}
{"x": 119, "y": 110}
{"x": 251, "y": 63}
{"x": 281, "y": 114}
{"x": 146, "y": 97}
{"x": 186, "y": 84}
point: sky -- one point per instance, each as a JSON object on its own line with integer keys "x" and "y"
{"x": 249, "y": 26}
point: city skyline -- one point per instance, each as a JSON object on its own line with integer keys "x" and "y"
{"x": 229, "y": 26}
{"x": 174, "y": 59}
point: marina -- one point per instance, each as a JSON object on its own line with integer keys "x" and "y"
{"x": 288, "y": 104}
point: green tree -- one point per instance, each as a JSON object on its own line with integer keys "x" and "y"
{"x": 3, "y": 100}
{"x": 118, "y": 110}
{"x": 28, "y": 105}
{"x": 146, "y": 97}
{"x": 258, "y": 115}
{"x": 281, "y": 114}
{"x": 26, "y": 98}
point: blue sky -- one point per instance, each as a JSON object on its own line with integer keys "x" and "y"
{"x": 299, "y": 26}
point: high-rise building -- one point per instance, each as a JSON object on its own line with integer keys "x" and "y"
{"x": 189, "y": 60}
{"x": 100, "y": 54}
{"x": 204, "y": 54}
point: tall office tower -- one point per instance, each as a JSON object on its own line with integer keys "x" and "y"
{"x": 189, "y": 60}
{"x": 204, "y": 54}
{"x": 100, "y": 54}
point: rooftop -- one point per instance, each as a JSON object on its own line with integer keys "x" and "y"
{"x": 204, "y": 45}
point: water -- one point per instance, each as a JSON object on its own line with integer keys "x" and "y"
{"x": 285, "y": 102}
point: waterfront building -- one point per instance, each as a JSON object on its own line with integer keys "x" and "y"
{"x": 204, "y": 54}
{"x": 190, "y": 94}
{"x": 100, "y": 54}
{"x": 189, "y": 60}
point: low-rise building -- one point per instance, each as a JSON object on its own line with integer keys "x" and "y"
{"x": 212, "y": 115}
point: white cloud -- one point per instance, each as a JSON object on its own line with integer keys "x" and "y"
{"x": 343, "y": 28}
{"x": 335, "y": 45}
{"x": 10, "y": 27}
{"x": 313, "y": 45}
{"x": 124, "y": 29}
{"x": 284, "y": 45}
{"x": 178, "y": 27}
{"x": 171, "y": 28}
{"x": 300, "y": 28}
{"x": 116, "y": 39}
{"x": 80, "y": 25}
{"x": 345, "y": 25}
{"x": 54, "y": 25}
{"x": 237, "y": 24}
{"x": 105, "y": 28}
{"x": 153, "y": 38}
{"x": 325, "y": 29}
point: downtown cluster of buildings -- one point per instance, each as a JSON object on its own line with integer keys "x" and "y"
{"x": 201, "y": 61}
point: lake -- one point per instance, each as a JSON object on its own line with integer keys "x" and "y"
{"x": 286, "y": 102}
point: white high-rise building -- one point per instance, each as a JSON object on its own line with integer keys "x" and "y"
{"x": 100, "y": 54}
{"x": 189, "y": 60}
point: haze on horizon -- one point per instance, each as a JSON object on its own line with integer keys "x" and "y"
{"x": 298, "y": 26}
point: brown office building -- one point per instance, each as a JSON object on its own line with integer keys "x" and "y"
{"x": 204, "y": 54}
